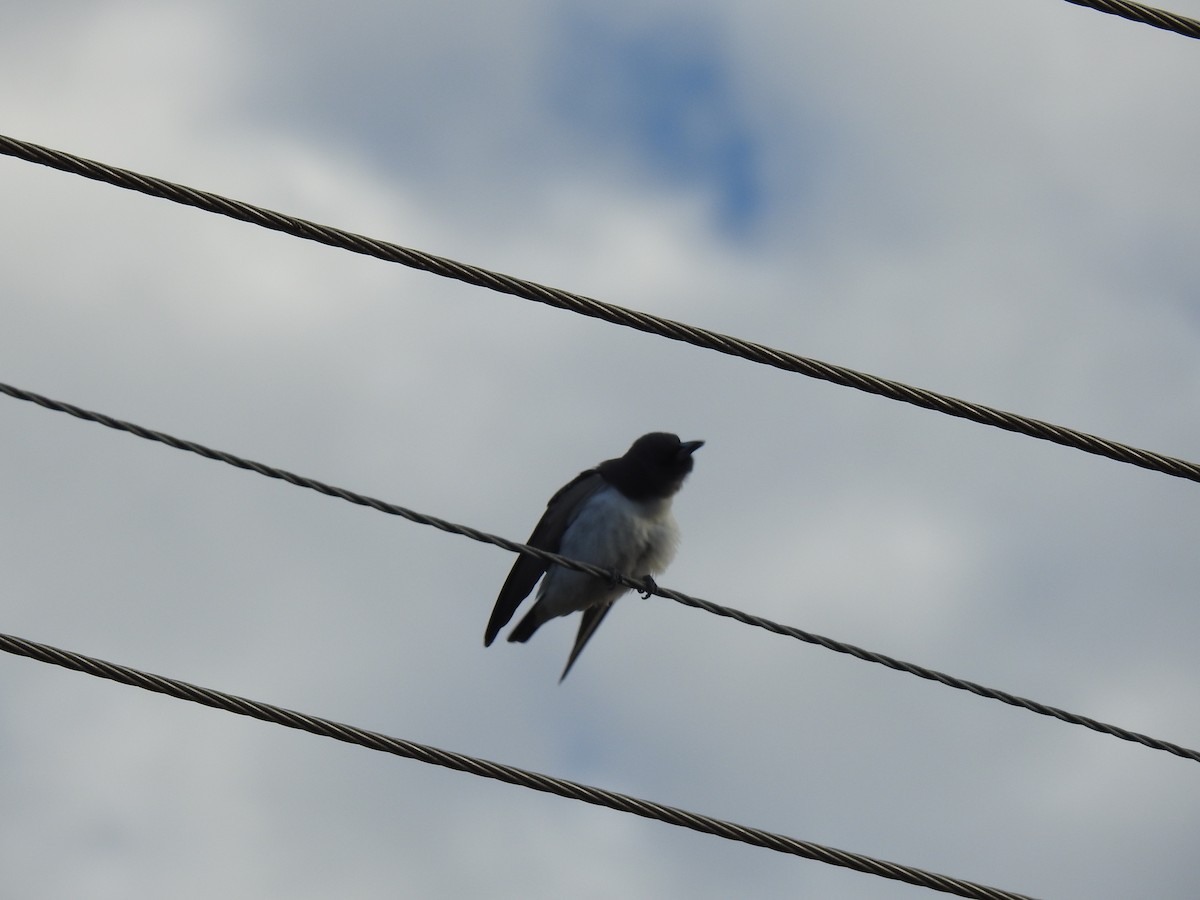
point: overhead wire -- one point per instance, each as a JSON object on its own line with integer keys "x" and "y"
{"x": 618, "y": 315}
{"x": 373, "y": 740}
{"x": 1147, "y": 15}
{"x": 596, "y": 571}
{"x": 641, "y": 321}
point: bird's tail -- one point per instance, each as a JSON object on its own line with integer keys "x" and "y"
{"x": 592, "y": 617}
{"x": 527, "y": 626}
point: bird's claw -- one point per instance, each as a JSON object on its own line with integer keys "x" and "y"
{"x": 648, "y": 584}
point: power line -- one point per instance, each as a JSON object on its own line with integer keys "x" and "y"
{"x": 685, "y": 599}
{"x": 618, "y": 315}
{"x": 676, "y": 331}
{"x": 1147, "y": 15}
{"x": 372, "y": 740}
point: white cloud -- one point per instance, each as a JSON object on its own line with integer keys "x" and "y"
{"x": 980, "y": 199}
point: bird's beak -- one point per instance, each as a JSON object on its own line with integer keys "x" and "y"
{"x": 687, "y": 448}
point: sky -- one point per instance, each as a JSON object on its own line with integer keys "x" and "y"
{"x": 991, "y": 200}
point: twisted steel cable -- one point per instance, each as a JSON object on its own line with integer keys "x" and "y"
{"x": 372, "y": 740}
{"x": 1147, "y": 15}
{"x": 684, "y": 599}
{"x": 617, "y": 315}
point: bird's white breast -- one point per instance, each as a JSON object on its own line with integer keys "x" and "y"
{"x": 638, "y": 538}
{"x": 614, "y": 532}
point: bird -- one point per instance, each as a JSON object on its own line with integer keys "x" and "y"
{"x": 615, "y": 516}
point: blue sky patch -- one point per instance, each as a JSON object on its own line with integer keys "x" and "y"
{"x": 664, "y": 91}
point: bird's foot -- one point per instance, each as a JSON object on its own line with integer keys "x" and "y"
{"x": 649, "y": 586}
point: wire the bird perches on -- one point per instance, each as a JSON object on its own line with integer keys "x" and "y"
{"x": 679, "y": 597}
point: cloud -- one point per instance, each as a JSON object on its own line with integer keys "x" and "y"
{"x": 980, "y": 200}
{"x": 665, "y": 90}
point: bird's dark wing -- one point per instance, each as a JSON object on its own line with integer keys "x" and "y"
{"x": 592, "y": 617}
{"x": 560, "y": 512}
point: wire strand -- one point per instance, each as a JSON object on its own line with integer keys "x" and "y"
{"x": 679, "y": 597}
{"x": 1147, "y": 15}
{"x": 372, "y": 740}
{"x": 607, "y": 312}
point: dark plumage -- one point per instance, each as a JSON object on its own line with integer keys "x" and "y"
{"x": 616, "y": 516}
